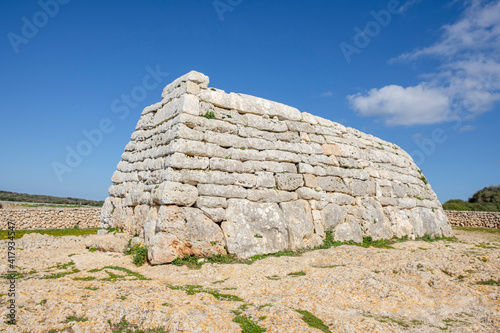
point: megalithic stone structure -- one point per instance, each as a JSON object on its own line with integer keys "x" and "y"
{"x": 208, "y": 172}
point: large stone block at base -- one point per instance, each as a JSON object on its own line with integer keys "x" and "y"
{"x": 254, "y": 228}
{"x": 182, "y": 231}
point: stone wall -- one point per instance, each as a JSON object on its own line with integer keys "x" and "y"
{"x": 207, "y": 172}
{"x": 474, "y": 219}
{"x": 50, "y": 218}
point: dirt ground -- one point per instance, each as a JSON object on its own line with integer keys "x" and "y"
{"x": 416, "y": 286}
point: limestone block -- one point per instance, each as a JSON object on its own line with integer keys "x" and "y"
{"x": 245, "y": 180}
{"x": 360, "y": 187}
{"x": 340, "y": 199}
{"x": 196, "y": 77}
{"x": 250, "y": 132}
{"x": 264, "y": 124}
{"x": 309, "y": 118}
{"x": 196, "y": 233}
{"x": 348, "y": 231}
{"x": 182, "y": 161}
{"x": 298, "y": 217}
{"x": 267, "y": 195}
{"x": 225, "y": 140}
{"x": 265, "y": 179}
{"x": 243, "y": 154}
{"x": 254, "y": 228}
{"x": 215, "y": 214}
{"x": 107, "y": 243}
{"x": 204, "y": 124}
{"x": 288, "y": 136}
{"x": 164, "y": 248}
{"x": 107, "y": 213}
{"x": 315, "y": 170}
{"x": 196, "y": 148}
{"x": 373, "y": 220}
{"x": 258, "y": 166}
{"x": 249, "y": 104}
{"x": 332, "y": 184}
{"x": 211, "y": 202}
{"x": 149, "y": 225}
{"x": 297, "y": 126}
{"x": 224, "y": 164}
{"x": 319, "y": 229}
{"x": 289, "y": 181}
{"x": 310, "y": 180}
{"x": 333, "y": 215}
{"x": 152, "y": 108}
{"x": 171, "y": 193}
{"x": 256, "y": 143}
{"x": 400, "y": 223}
{"x": 282, "y": 156}
{"x": 331, "y": 149}
{"x": 227, "y": 191}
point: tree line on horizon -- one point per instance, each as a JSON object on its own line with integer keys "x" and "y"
{"x": 485, "y": 200}
{"x": 47, "y": 199}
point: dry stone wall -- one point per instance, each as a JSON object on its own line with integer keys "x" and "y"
{"x": 50, "y": 218}
{"x": 474, "y": 219}
{"x": 207, "y": 172}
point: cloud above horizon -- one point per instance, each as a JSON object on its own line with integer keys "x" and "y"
{"x": 465, "y": 84}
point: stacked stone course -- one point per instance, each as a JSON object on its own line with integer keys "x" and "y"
{"x": 474, "y": 219}
{"x": 49, "y": 218}
{"x": 207, "y": 172}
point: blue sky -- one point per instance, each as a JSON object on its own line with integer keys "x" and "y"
{"x": 422, "y": 74}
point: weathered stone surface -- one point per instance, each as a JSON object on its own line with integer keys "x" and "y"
{"x": 300, "y": 226}
{"x": 332, "y": 215}
{"x": 254, "y": 228}
{"x": 205, "y": 147}
{"x": 170, "y": 193}
{"x": 107, "y": 243}
{"x": 350, "y": 230}
{"x": 289, "y": 181}
{"x": 190, "y": 232}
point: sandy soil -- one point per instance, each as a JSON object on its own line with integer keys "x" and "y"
{"x": 415, "y": 287}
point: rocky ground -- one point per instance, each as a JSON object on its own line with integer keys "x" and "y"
{"x": 414, "y": 287}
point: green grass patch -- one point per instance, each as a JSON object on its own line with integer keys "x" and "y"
{"x": 489, "y": 282}
{"x": 114, "y": 277}
{"x": 313, "y": 321}
{"x": 273, "y": 277}
{"x": 327, "y": 266}
{"x": 195, "y": 289}
{"x": 192, "y": 261}
{"x": 60, "y": 274}
{"x": 15, "y": 275}
{"x": 87, "y": 278}
{"x": 91, "y": 288}
{"x": 300, "y": 273}
{"x": 209, "y": 115}
{"x": 247, "y": 325}
{"x": 74, "y": 318}
{"x": 139, "y": 255}
{"x": 491, "y": 231}
{"x": 4, "y": 234}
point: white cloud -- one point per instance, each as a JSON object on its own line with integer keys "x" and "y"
{"x": 403, "y": 106}
{"x": 468, "y": 76}
{"x": 326, "y": 94}
{"x": 404, "y": 7}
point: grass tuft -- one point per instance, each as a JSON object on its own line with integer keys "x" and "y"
{"x": 195, "y": 289}
{"x": 313, "y": 321}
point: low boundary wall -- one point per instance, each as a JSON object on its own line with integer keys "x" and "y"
{"x": 474, "y": 219}
{"x": 50, "y": 218}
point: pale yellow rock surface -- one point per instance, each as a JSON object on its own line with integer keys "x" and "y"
{"x": 415, "y": 287}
